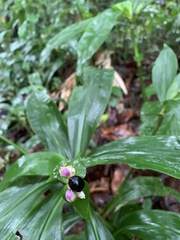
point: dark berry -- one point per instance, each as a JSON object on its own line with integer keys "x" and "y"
{"x": 76, "y": 183}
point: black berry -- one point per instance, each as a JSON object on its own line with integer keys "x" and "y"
{"x": 76, "y": 183}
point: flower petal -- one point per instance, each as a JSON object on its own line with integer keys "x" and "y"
{"x": 81, "y": 195}
{"x": 70, "y": 195}
{"x": 68, "y": 171}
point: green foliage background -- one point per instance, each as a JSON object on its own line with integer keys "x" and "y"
{"x": 38, "y": 40}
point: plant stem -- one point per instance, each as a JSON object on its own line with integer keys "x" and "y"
{"x": 160, "y": 118}
{"x": 138, "y": 61}
{"x": 127, "y": 176}
{"x": 13, "y": 144}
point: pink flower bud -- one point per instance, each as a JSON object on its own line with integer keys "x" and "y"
{"x": 68, "y": 171}
{"x": 70, "y": 195}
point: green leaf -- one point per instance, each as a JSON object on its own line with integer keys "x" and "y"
{"x": 148, "y": 224}
{"x": 157, "y": 153}
{"x": 64, "y": 36}
{"x": 138, "y": 5}
{"x": 93, "y": 37}
{"x": 96, "y": 230}
{"x": 140, "y": 187}
{"x": 15, "y": 205}
{"x": 42, "y": 163}
{"x": 124, "y": 8}
{"x": 118, "y": 215}
{"x": 152, "y": 112}
{"x": 45, "y": 219}
{"x": 150, "y": 90}
{"x": 81, "y": 205}
{"x": 174, "y": 88}
{"x": 164, "y": 72}
{"x": 75, "y": 237}
{"x": 13, "y": 237}
{"x": 149, "y": 117}
{"x": 171, "y": 121}
{"x": 47, "y": 122}
{"x": 69, "y": 219}
{"x": 86, "y": 107}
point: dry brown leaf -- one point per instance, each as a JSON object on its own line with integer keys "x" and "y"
{"x": 104, "y": 61}
{"x": 65, "y": 90}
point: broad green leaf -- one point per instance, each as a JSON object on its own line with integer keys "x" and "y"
{"x": 164, "y": 72}
{"x": 69, "y": 219}
{"x": 15, "y": 205}
{"x": 95, "y": 34}
{"x": 122, "y": 211}
{"x": 53, "y": 68}
{"x": 42, "y": 163}
{"x": 149, "y": 91}
{"x": 75, "y": 237}
{"x": 47, "y": 122}
{"x": 171, "y": 120}
{"x": 13, "y": 237}
{"x": 86, "y": 107}
{"x": 157, "y": 153}
{"x": 174, "y": 88}
{"x": 140, "y": 187}
{"x": 148, "y": 224}
{"x": 64, "y": 36}
{"x": 81, "y": 205}
{"x": 96, "y": 230}
{"x": 45, "y": 219}
{"x": 149, "y": 117}
{"x": 124, "y": 8}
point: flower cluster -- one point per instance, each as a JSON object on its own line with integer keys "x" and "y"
{"x": 75, "y": 183}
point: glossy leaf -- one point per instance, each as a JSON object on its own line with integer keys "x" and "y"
{"x": 45, "y": 219}
{"x": 174, "y": 88}
{"x": 42, "y": 163}
{"x": 86, "y": 107}
{"x": 164, "y": 72}
{"x": 148, "y": 224}
{"x": 64, "y": 36}
{"x": 13, "y": 237}
{"x": 140, "y": 187}
{"x": 47, "y": 122}
{"x": 16, "y": 205}
{"x": 96, "y": 230}
{"x": 75, "y": 237}
{"x": 93, "y": 37}
{"x": 81, "y": 205}
{"x": 153, "y": 152}
{"x": 69, "y": 219}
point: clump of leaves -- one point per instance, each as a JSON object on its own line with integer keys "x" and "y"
{"x": 162, "y": 117}
{"x": 40, "y": 185}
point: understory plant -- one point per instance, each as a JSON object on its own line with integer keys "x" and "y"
{"x": 44, "y": 194}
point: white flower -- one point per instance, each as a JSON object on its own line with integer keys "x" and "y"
{"x": 81, "y": 195}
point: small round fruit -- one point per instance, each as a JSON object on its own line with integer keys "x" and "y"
{"x": 76, "y": 183}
